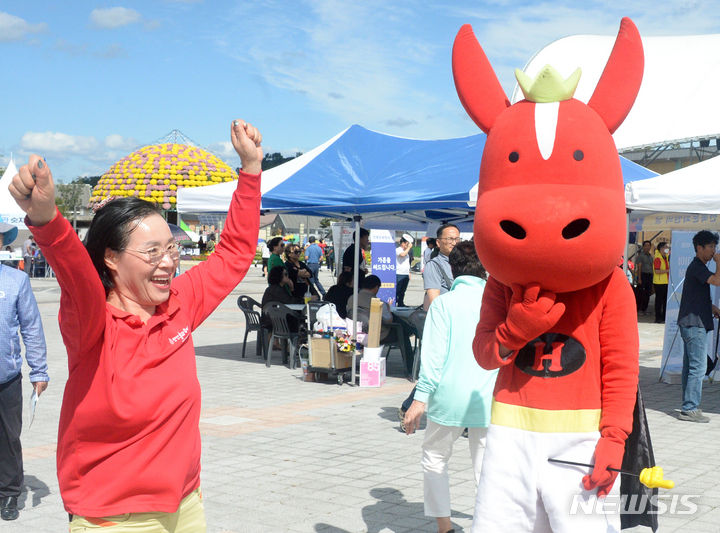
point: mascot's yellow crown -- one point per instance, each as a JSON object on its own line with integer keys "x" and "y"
{"x": 548, "y": 86}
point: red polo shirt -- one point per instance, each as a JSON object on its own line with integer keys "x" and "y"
{"x": 128, "y": 439}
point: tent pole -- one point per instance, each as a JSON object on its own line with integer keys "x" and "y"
{"x": 356, "y": 280}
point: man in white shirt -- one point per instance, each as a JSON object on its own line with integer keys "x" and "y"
{"x": 403, "y": 258}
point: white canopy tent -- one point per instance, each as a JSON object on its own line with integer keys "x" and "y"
{"x": 10, "y": 213}
{"x": 691, "y": 189}
{"x": 680, "y": 79}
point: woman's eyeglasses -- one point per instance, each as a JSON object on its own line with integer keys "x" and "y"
{"x": 154, "y": 255}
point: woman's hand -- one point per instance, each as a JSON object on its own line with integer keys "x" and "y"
{"x": 34, "y": 191}
{"x": 412, "y": 417}
{"x": 246, "y": 140}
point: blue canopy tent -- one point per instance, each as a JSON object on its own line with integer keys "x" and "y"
{"x": 392, "y": 182}
{"x": 389, "y": 182}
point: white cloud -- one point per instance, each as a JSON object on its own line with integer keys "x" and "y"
{"x": 223, "y": 149}
{"x": 70, "y": 48}
{"x": 118, "y": 142}
{"x": 112, "y": 51}
{"x": 356, "y": 61}
{"x": 50, "y": 142}
{"x": 370, "y": 61}
{"x": 14, "y": 28}
{"x": 538, "y": 24}
{"x": 114, "y": 17}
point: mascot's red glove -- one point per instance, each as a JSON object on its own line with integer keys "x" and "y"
{"x": 531, "y": 313}
{"x": 609, "y": 452}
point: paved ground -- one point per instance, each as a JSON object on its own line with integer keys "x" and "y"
{"x": 281, "y": 455}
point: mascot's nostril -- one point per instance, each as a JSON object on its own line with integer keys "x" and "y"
{"x": 575, "y": 228}
{"x": 513, "y": 229}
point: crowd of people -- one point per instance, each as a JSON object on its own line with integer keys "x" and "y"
{"x": 33, "y": 261}
{"x": 651, "y": 276}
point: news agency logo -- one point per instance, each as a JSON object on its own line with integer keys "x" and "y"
{"x": 660, "y": 504}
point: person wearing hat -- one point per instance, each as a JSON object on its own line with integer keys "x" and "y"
{"x": 8, "y": 233}
{"x": 402, "y": 268}
{"x": 19, "y": 318}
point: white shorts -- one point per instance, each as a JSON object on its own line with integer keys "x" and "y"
{"x": 520, "y": 491}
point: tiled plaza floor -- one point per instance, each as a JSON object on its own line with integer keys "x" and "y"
{"x": 281, "y": 455}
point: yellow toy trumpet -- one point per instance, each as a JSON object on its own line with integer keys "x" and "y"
{"x": 652, "y": 478}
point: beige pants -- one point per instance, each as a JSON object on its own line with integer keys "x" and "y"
{"x": 189, "y": 518}
{"x": 437, "y": 449}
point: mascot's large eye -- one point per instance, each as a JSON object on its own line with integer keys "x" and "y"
{"x": 513, "y": 157}
{"x": 578, "y": 155}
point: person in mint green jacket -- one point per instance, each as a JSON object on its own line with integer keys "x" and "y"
{"x": 455, "y": 389}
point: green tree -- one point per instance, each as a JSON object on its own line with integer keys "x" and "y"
{"x": 69, "y": 199}
{"x": 275, "y": 159}
{"x": 88, "y": 180}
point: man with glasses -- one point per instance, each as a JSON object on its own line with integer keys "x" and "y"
{"x": 437, "y": 276}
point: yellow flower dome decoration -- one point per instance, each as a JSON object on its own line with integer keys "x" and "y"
{"x": 155, "y": 172}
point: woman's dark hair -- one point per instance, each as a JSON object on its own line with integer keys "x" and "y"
{"x": 431, "y": 242}
{"x": 111, "y": 228}
{"x": 276, "y": 275}
{"x": 272, "y": 243}
{"x": 464, "y": 261}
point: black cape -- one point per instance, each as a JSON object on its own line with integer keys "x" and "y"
{"x": 639, "y": 501}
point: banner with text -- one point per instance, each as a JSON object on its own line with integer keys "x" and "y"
{"x": 342, "y": 234}
{"x": 382, "y": 243}
{"x": 683, "y": 252}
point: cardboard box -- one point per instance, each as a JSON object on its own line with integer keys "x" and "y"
{"x": 372, "y": 373}
{"x": 375, "y": 323}
{"x": 324, "y": 354}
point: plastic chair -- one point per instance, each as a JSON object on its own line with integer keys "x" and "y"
{"x": 278, "y": 314}
{"x": 253, "y": 322}
{"x": 397, "y": 341}
{"x": 417, "y": 321}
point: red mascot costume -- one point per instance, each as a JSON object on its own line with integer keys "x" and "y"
{"x": 558, "y": 316}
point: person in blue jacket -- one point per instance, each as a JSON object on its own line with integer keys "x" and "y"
{"x": 455, "y": 389}
{"x": 18, "y": 313}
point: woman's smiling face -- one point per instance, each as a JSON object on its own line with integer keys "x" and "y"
{"x": 142, "y": 272}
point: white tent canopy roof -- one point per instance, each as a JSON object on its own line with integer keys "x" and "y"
{"x": 675, "y": 102}
{"x": 691, "y": 189}
{"x": 10, "y": 213}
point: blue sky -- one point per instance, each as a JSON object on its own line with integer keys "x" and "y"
{"x": 85, "y": 83}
